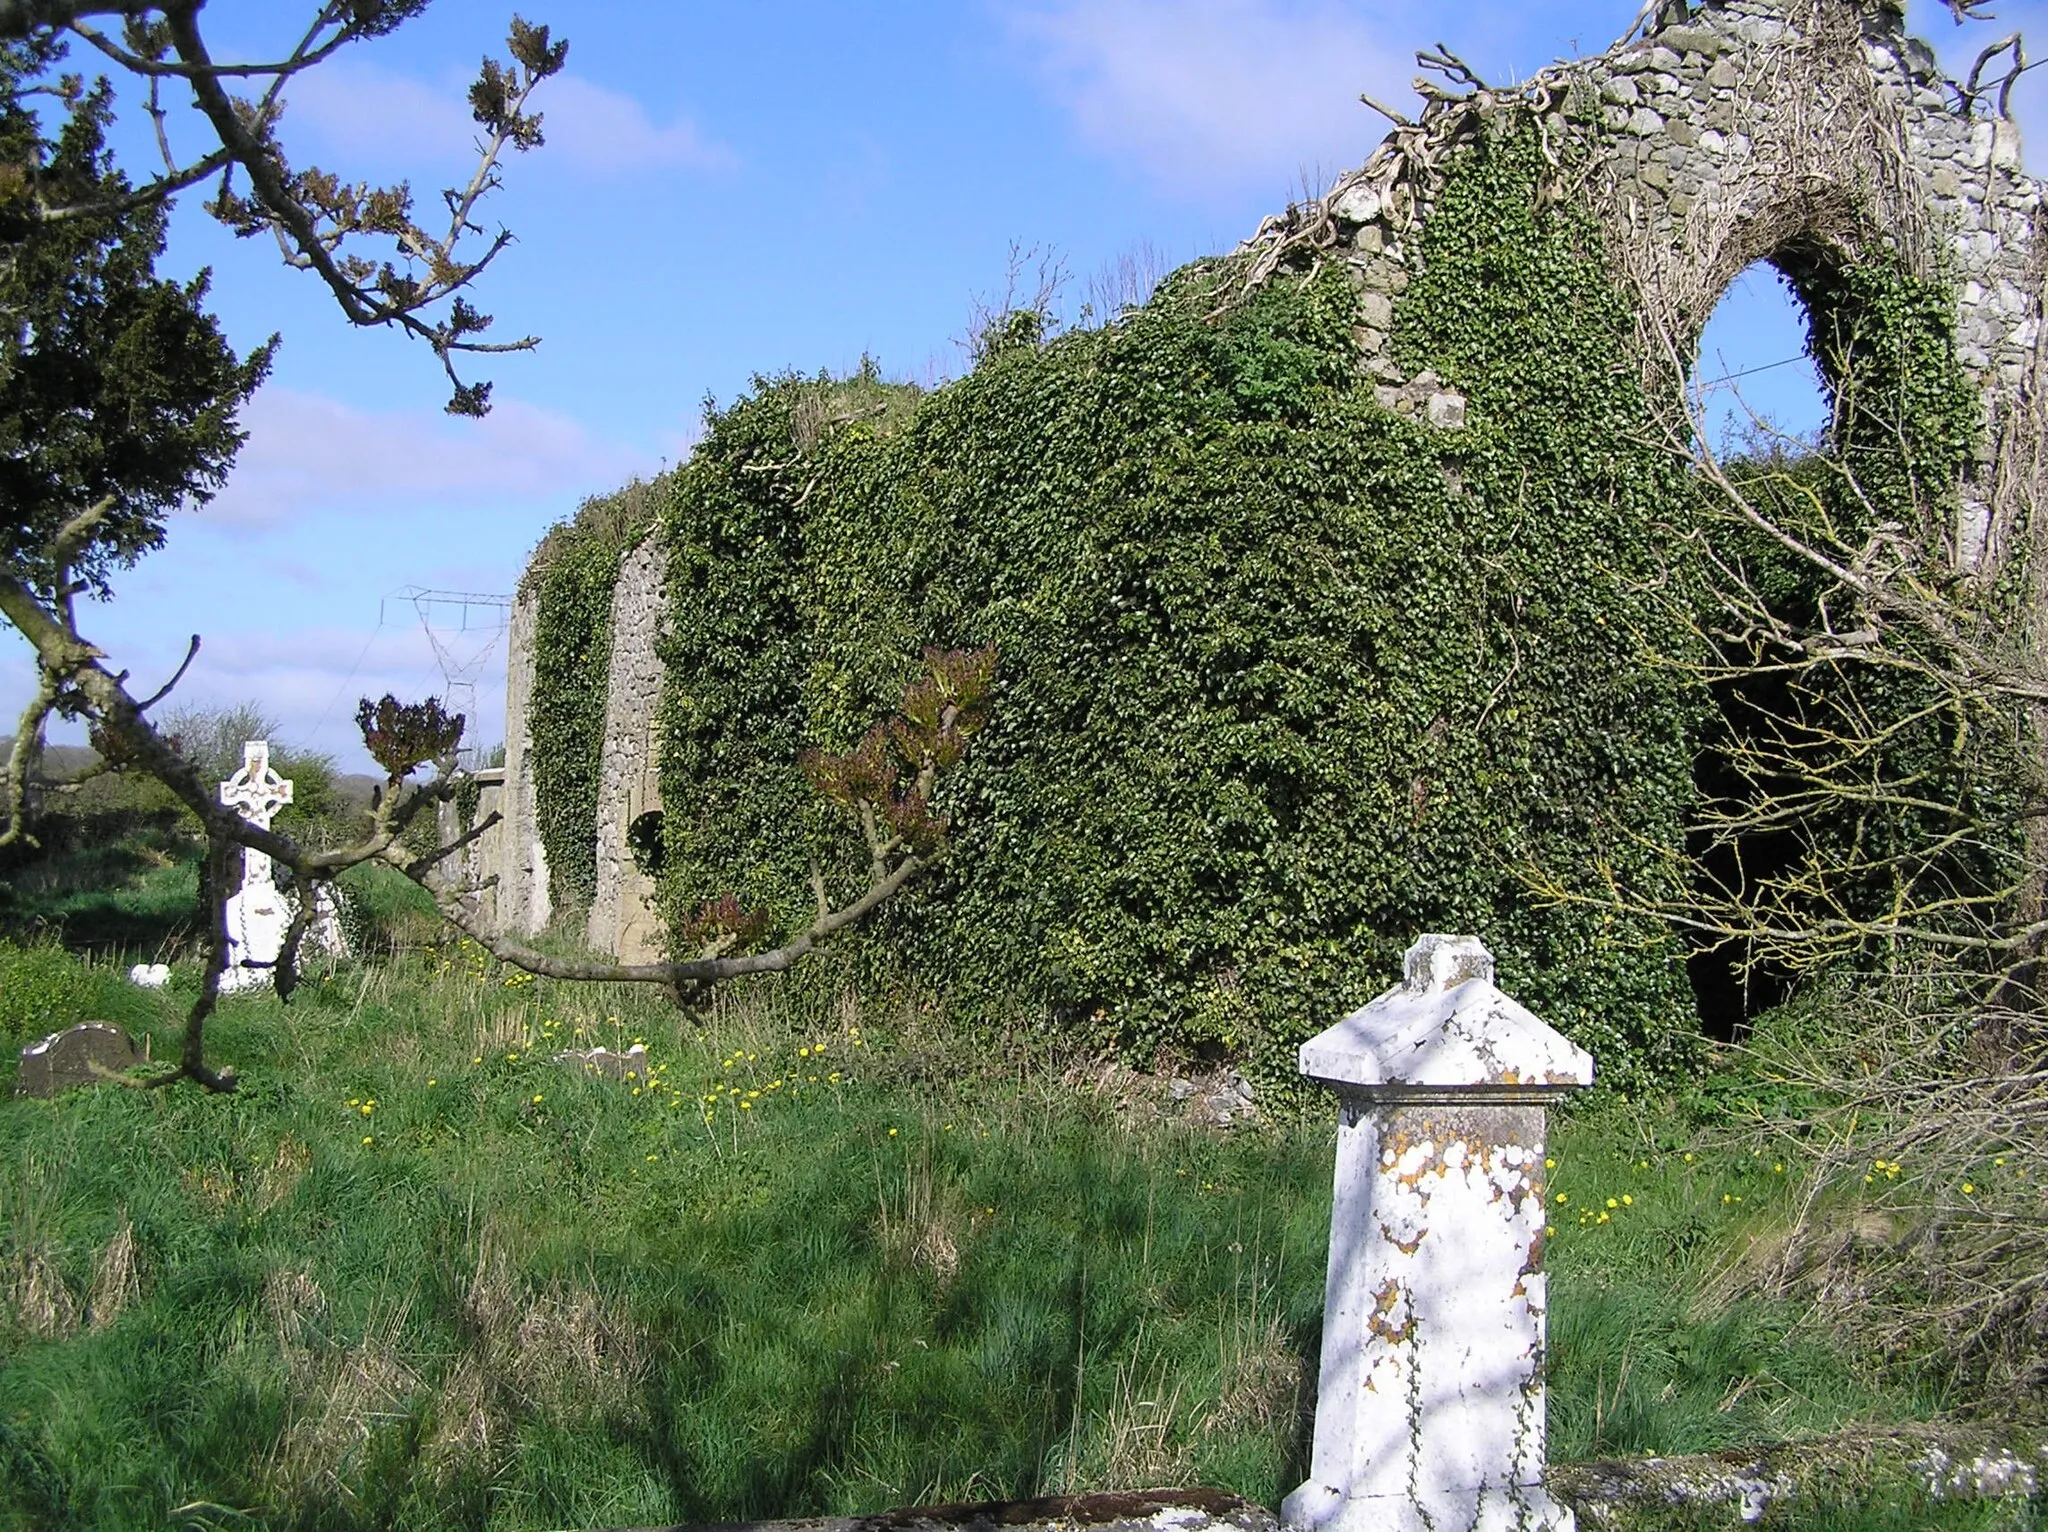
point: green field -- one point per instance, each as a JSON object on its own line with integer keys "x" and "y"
{"x": 824, "y": 1258}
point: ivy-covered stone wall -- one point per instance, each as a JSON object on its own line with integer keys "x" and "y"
{"x": 1286, "y": 678}
{"x": 1319, "y": 582}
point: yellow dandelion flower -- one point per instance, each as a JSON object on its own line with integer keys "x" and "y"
{"x": 1627, "y": 1201}
{"x": 1560, "y": 1197}
{"x": 892, "y": 1132}
{"x": 1778, "y": 1169}
{"x": 1549, "y": 1229}
{"x": 1969, "y": 1189}
{"x": 1688, "y": 1157}
{"x": 1550, "y": 1164}
{"x": 536, "y": 1100}
{"x": 433, "y": 1082}
{"x": 1601, "y": 1219}
{"x": 369, "y": 1139}
{"x": 1612, "y": 1203}
{"x": 746, "y": 1106}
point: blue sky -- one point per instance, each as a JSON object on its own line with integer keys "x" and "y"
{"x": 730, "y": 190}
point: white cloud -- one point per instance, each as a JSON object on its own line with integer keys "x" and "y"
{"x": 397, "y": 121}
{"x": 378, "y": 115}
{"x": 306, "y": 450}
{"x": 310, "y": 679}
{"x": 601, "y": 130}
{"x": 1198, "y": 93}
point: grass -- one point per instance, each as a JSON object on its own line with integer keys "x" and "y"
{"x": 415, "y": 1274}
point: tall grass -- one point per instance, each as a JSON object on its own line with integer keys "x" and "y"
{"x": 819, "y": 1260}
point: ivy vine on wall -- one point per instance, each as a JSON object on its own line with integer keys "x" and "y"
{"x": 573, "y": 575}
{"x": 1286, "y": 678}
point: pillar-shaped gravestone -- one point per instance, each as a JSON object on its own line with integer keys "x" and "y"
{"x": 1429, "y": 1411}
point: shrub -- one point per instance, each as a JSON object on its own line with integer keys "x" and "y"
{"x": 44, "y": 989}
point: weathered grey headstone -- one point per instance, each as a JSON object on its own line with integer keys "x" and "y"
{"x": 87, "y": 1054}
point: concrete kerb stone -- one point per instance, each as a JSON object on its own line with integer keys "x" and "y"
{"x": 1429, "y": 1407}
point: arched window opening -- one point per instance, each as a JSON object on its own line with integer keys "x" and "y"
{"x": 1754, "y": 386}
{"x": 1756, "y": 398}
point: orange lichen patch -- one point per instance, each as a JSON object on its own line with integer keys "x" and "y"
{"x": 1380, "y": 1322}
{"x": 1405, "y": 1246}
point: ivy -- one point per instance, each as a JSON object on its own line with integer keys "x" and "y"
{"x": 1884, "y": 340}
{"x": 1913, "y": 787}
{"x": 1284, "y": 678}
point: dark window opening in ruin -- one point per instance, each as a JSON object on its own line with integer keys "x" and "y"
{"x": 646, "y": 840}
{"x": 1754, "y": 394}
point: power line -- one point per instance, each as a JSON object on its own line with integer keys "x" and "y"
{"x": 1705, "y": 385}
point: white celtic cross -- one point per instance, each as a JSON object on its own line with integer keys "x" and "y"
{"x": 256, "y": 793}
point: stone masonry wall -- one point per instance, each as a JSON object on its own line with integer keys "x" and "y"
{"x": 521, "y": 904}
{"x": 622, "y": 907}
{"x": 1734, "y": 132}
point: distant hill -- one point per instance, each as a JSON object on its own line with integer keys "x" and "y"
{"x": 60, "y": 762}
{"x": 63, "y": 762}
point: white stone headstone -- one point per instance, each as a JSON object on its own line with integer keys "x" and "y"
{"x": 1429, "y": 1410}
{"x": 259, "y": 913}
